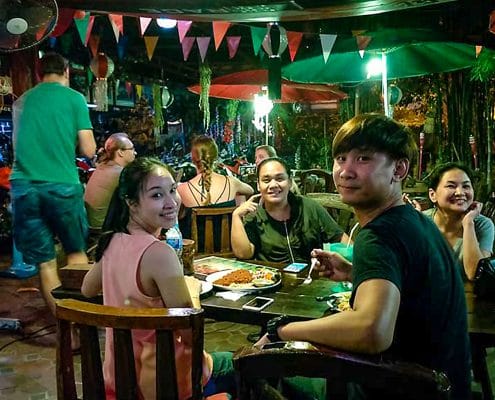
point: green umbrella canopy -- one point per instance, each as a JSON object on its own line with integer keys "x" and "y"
{"x": 412, "y": 53}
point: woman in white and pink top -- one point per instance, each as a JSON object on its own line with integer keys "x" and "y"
{"x": 135, "y": 269}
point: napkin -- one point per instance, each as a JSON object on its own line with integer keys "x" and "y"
{"x": 231, "y": 295}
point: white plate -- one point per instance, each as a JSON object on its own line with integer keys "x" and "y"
{"x": 206, "y": 287}
{"x": 217, "y": 275}
{"x": 335, "y": 299}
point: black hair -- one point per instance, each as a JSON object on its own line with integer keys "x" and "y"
{"x": 132, "y": 181}
{"x": 53, "y": 63}
{"x": 375, "y": 132}
{"x": 438, "y": 172}
{"x": 277, "y": 159}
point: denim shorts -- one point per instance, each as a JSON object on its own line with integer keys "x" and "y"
{"x": 43, "y": 210}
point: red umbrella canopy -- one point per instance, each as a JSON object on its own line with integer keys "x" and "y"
{"x": 244, "y": 85}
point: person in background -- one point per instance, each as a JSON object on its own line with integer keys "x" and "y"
{"x": 112, "y": 158}
{"x": 208, "y": 188}
{"x": 457, "y": 215}
{"x": 263, "y": 152}
{"x": 408, "y": 298}
{"x": 50, "y": 121}
{"x": 278, "y": 225}
{"x": 135, "y": 269}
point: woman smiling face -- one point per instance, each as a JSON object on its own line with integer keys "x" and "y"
{"x": 158, "y": 203}
{"x": 273, "y": 182}
{"x": 454, "y": 192}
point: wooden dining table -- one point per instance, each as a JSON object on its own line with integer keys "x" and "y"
{"x": 298, "y": 300}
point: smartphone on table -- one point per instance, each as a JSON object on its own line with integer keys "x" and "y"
{"x": 257, "y": 304}
{"x": 295, "y": 267}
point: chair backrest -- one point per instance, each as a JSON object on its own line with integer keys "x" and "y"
{"x": 89, "y": 317}
{"x": 286, "y": 359}
{"x": 212, "y": 216}
{"x": 310, "y": 181}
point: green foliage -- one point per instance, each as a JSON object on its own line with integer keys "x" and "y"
{"x": 484, "y": 69}
{"x": 232, "y": 106}
{"x": 204, "y": 101}
{"x": 157, "y": 105}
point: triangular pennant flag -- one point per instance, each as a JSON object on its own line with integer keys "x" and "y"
{"x": 203, "y": 42}
{"x": 233, "y": 45}
{"x": 362, "y": 43}
{"x": 294, "y": 39}
{"x": 128, "y": 88}
{"x": 139, "y": 91}
{"x": 257, "y": 35}
{"x": 187, "y": 44}
{"x": 89, "y": 29}
{"x": 358, "y": 33}
{"x": 117, "y": 22}
{"x": 82, "y": 27}
{"x": 150, "y": 43}
{"x": 122, "y": 46}
{"x": 182, "y": 29}
{"x": 65, "y": 16}
{"x": 478, "y": 50}
{"x": 143, "y": 24}
{"x": 94, "y": 42}
{"x": 220, "y": 28}
{"x": 327, "y": 42}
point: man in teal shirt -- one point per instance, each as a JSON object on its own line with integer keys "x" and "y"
{"x": 50, "y": 121}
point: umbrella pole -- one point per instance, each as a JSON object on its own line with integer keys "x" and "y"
{"x": 386, "y": 106}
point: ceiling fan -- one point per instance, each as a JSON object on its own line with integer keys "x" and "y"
{"x": 25, "y": 23}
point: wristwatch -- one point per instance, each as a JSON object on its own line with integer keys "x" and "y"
{"x": 274, "y": 324}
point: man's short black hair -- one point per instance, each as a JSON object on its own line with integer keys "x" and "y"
{"x": 53, "y": 63}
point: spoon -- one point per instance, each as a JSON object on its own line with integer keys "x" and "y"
{"x": 308, "y": 280}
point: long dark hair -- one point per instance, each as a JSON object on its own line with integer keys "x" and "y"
{"x": 131, "y": 183}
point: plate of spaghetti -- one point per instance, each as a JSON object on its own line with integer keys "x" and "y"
{"x": 246, "y": 279}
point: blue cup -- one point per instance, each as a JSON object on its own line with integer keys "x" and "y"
{"x": 344, "y": 250}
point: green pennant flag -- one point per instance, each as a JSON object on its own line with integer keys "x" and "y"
{"x": 257, "y": 35}
{"x": 82, "y": 27}
{"x": 90, "y": 76}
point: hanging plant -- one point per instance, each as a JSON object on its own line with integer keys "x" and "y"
{"x": 157, "y": 105}
{"x": 204, "y": 103}
{"x": 232, "y": 106}
{"x": 484, "y": 69}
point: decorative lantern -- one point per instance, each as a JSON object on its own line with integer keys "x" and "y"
{"x": 102, "y": 67}
{"x": 275, "y": 43}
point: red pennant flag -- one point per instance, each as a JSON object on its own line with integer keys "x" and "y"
{"x": 143, "y": 24}
{"x": 233, "y": 45}
{"x": 128, "y": 88}
{"x": 65, "y": 16}
{"x": 294, "y": 39}
{"x": 219, "y": 30}
{"x": 203, "y": 42}
{"x": 187, "y": 44}
{"x": 182, "y": 29}
{"x": 94, "y": 42}
{"x": 362, "y": 43}
{"x": 117, "y": 22}
{"x": 150, "y": 43}
{"x": 89, "y": 29}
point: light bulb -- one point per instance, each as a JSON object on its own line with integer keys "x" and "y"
{"x": 166, "y": 23}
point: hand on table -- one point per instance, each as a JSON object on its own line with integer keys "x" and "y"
{"x": 262, "y": 341}
{"x": 332, "y": 265}
{"x": 248, "y": 207}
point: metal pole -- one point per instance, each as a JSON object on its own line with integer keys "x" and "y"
{"x": 386, "y": 106}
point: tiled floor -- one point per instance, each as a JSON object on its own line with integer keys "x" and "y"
{"x": 27, "y": 360}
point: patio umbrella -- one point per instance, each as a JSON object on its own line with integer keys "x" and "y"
{"x": 244, "y": 85}
{"x": 403, "y": 61}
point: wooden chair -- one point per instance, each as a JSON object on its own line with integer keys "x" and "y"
{"x": 90, "y": 316}
{"x": 285, "y": 359}
{"x": 210, "y": 215}
{"x": 310, "y": 181}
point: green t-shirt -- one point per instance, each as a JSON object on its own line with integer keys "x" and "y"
{"x": 309, "y": 226}
{"x": 46, "y": 121}
{"x": 406, "y": 248}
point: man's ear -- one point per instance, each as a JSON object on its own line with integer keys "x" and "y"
{"x": 401, "y": 170}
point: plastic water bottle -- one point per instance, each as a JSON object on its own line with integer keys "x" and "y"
{"x": 174, "y": 238}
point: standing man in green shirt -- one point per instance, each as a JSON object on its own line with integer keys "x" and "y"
{"x": 50, "y": 121}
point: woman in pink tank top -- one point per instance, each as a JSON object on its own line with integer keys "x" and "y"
{"x": 134, "y": 269}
